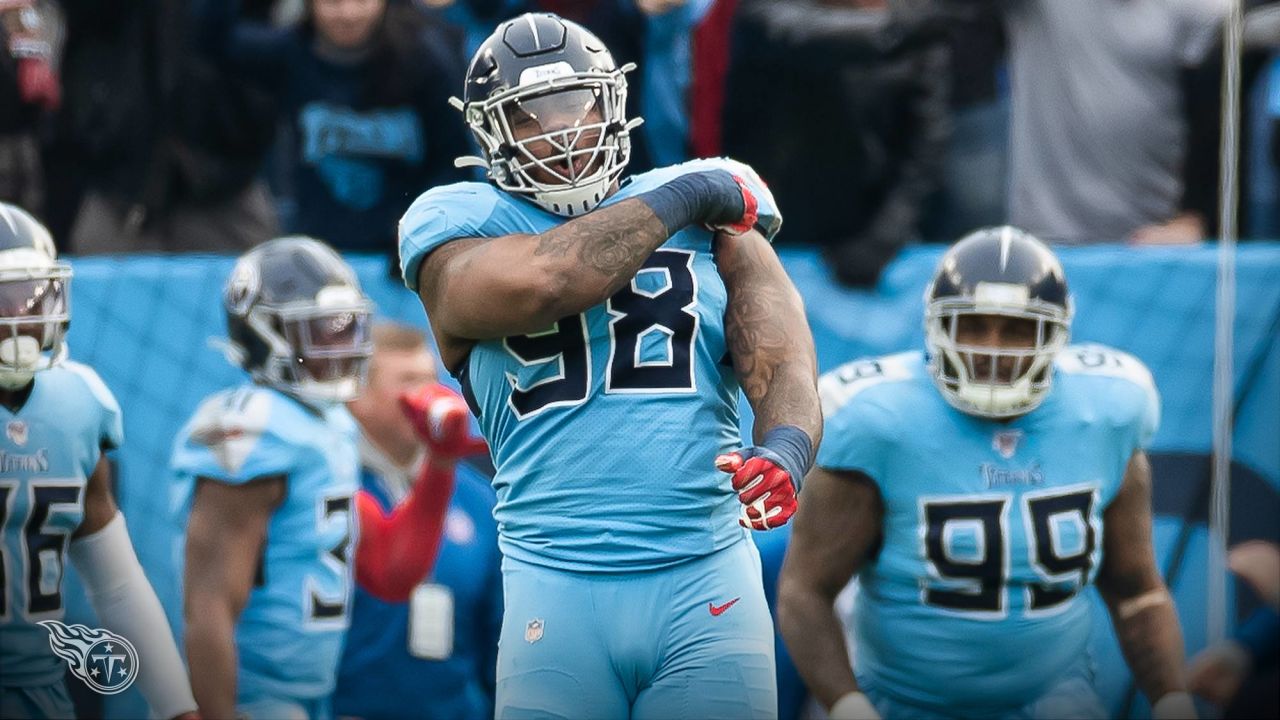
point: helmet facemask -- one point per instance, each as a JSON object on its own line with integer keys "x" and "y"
{"x": 34, "y": 314}
{"x": 995, "y": 381}
{"x": 319, "y": 352}
{"x": 561, "y": 141}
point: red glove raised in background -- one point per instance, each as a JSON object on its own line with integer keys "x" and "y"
{"x": 443, "y": 422}
{"x": 396, "y": 552}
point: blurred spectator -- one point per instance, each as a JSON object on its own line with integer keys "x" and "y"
{"x": 668, "y": 72}
{"x": 362, "y": 89}
{"x": 1099, "y": 126}
{"x": 1262, "y": 118}
{"x": 974, "y": 184}
{"x": 434, "y": 656}
{"x": 166, "y": 148}
{"x": 1220, "y": 673}
{"x": 710, "y": 55}
{"x": 842, "y": 106}
{"x": 1201, "y": 170}
{"x": 29, "y": 87}
{"x": 476, "y": 18}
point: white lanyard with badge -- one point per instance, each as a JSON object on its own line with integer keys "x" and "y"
{"x": 431, "y": 622}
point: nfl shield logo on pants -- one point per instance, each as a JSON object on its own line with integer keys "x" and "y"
{"x": 533, "y": 631}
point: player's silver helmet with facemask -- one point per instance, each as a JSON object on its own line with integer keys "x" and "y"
{"x": 298, "y": 321}
{"x": 544, "y": 72}
{"x": 996, "y": 271}
{"x": 34, "y": 299}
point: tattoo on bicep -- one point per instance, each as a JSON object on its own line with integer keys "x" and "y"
{"x": 553, "y": 243}
{"x": 615, "y": 251}
{"x": 613, "y": 242}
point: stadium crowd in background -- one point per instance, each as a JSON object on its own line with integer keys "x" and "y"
{"x": 160, "y": 125}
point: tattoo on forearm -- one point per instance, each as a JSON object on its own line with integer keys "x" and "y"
{"x": 768, "y": 340}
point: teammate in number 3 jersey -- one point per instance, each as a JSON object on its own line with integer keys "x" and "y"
{"x": 601, "y": 329}
{"x": 264, "y": 499}
{"x": 59, "y": 421}
{"x": 977, "y": 490}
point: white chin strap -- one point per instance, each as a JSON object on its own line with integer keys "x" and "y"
{"x": 574, "y": 201}
{"x": 330, "y": 392}
{"x": 19, "y": 358}
{"x": 998, "y": 400}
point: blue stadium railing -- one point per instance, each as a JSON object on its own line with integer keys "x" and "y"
{"x": 146, "y": 324}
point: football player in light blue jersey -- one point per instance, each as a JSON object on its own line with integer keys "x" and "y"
{"x": 265, "y": 475}
{"x": 601, "y": 329}
{"x": 56, "y": 502}
{"x": 976, "y": 490}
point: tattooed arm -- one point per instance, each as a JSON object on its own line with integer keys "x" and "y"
{"x": 769, "y": 338}
{"x": 479, "y": 288}
{"x": 1141, "y": 608}
{"x": 475, "y": 289}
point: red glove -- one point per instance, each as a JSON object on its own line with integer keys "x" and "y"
{"x": 764, "y": 488}
{"x": 750, "y": 211}
{"x": 397, "y": 551}
{"x": 443, "y": 422}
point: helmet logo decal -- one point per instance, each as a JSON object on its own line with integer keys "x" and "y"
{"x": 995, "y": 295}
{"x": 541, "y": 73}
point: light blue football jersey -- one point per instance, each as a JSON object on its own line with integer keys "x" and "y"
{"x": 991, "y": 528}
{"x": 49, "y": 449}
{"x": 604, "y": 428}
{"x": 290, "y": 634}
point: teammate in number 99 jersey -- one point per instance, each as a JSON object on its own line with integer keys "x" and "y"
{"x": 976, "y": 489}
{"x": 602, "y": 329}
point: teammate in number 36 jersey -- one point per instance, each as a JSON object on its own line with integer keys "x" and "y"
{"x": 59, "y": 420}
{"x": 977, "y": 489}
{"x": 601, "y": 329}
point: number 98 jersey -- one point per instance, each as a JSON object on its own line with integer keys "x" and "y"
{"x": 604, "y": 428}
{"x": 991, "y": 528}
{"x": 48, "y": 451}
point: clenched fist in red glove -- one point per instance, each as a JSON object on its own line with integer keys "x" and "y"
{"x": 443, "y": 422}
{"x": 765, "y": 490}
{"x": 767, "y": 476}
